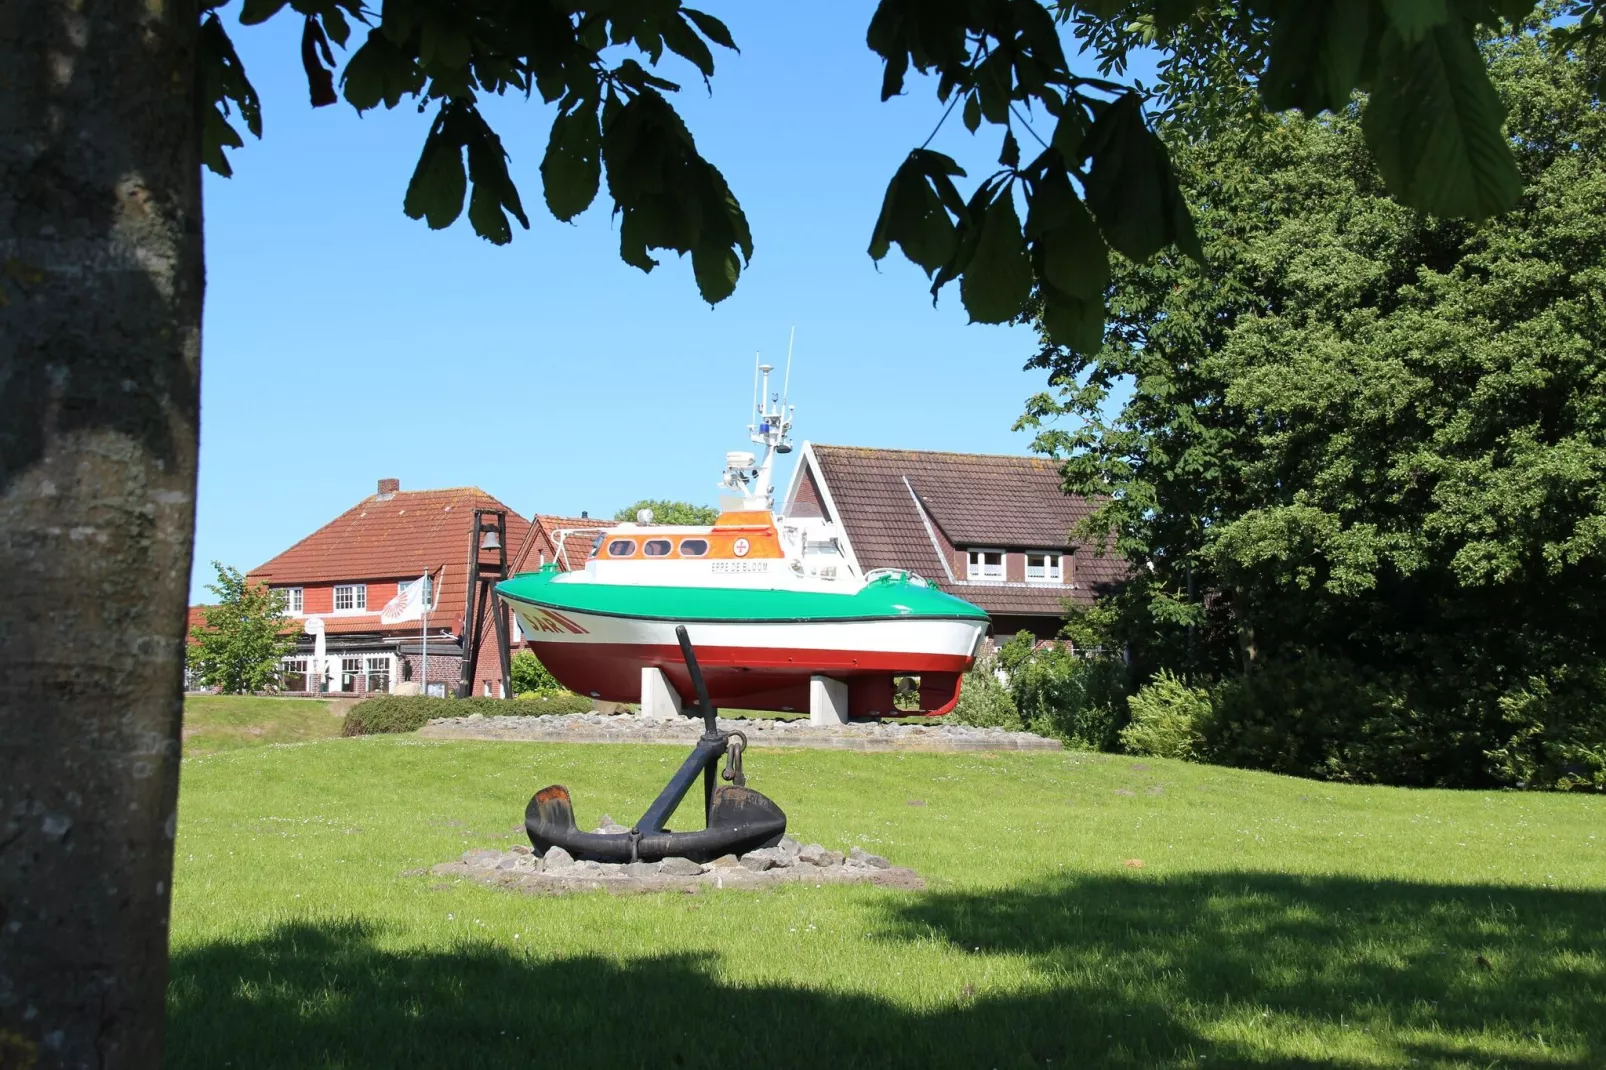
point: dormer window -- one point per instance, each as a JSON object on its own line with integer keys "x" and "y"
{"x": 351, "y": 598}
{"x": 1044, "y": 568}
{"x": 292, "y": 600}
{"x": 985, "y": 565}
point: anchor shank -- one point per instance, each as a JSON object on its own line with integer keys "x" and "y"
{"x": 705, "y": 755}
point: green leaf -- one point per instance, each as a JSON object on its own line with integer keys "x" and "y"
{"x": 1412, "y": 19}
{"x": 711, "y": 28}
{"x": 1010, "y": 155}
{"x": 379, "y": 71}
{"x": 493, "y": 186}
{"x": 1074, "y": 322}
{"x": 972, "y": 112}
{"x": 253, "y": 12}
{"x": 992, "y": 85}
{"x": 571, "y": 171}
{"x": 1068, "y": 251}
{"x": 1433, "y": 123}
{"x": 1317, "y": 47}
{"x": 684, "y": 42}
{"x": 998, "y": 279}
{"x": 716, "y": 268}
{"x": 436, "y": 191}
{"x": 222, "y": 80}
{"x": 913, "y": 218}
{"x": 1131, "y": 189}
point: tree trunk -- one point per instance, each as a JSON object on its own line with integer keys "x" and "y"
{"x": 100, "y": 315}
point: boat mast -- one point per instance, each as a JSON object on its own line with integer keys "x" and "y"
{"x": 749, "y": 478}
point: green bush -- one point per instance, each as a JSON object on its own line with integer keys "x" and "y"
{"x": 1168, "y": 719}
{"x": 1322, "y": 717}
{"x": 984, "y": 701}
{"x": 529, "y": 674}
{"x": 1061, "y": 694}
{"x": 1557, "y": 732}
{"x": 409, "y": 713}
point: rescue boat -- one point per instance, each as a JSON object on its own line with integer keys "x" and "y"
{"x": 770, "y": 602}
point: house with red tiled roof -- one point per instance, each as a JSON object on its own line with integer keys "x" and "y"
{"x": 344, "y": 573}
{"x": 993, "y": 530}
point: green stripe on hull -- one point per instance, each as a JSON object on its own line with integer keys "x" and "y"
{"x": 887, "y": 598}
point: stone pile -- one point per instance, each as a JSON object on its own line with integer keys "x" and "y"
{"x": 760, "y": 731}
{"x": 518, "y": 867}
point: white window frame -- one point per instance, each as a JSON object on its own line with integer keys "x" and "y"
{"x": 358, "y": 598}
{"x": 1053, "y": 567}
{"x": 379, "y": 665}
{"x": 352, "y": 666}
{"x": 976, "y": 566}
{"x": 294, "y": 599}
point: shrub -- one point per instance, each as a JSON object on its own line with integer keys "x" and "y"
{"x": 409, "y": 713}
{"x": 1322, "y": 717}
{"x": 1168, "y": 719}
{"x": 1062, "y": 694}
{"x": 1557, "y": 731}
{"x": 530, "y": 675}
{"x": 984, "y": 701}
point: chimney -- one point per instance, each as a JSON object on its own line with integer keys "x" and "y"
{"x": 584, "y": 515}
{"x": 388, "y": 487}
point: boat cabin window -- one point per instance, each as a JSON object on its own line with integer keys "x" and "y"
{"x": 693, "y": 547}
{"x": 656, "y": 548}
{"x": 622, "y": 548}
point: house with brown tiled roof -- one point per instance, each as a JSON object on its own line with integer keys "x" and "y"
{"x": 344, "y": 573}
{"x": 993, "y": 530}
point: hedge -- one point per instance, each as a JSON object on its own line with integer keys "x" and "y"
{"x": 409, "y": 713}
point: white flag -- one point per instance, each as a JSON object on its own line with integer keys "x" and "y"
{"x": 407, "y": 605}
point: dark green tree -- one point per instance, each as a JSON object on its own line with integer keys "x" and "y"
{"x": 668, "y": 512}
{"x": 1360, "y": 470}
{"x": 239, "y": 648}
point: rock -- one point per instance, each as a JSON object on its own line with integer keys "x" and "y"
{"x": 679, "y": 867}
{"x": 521, "y": 849}
{"x": 831, "y": 858}
{"x": 775, "y": 855}
{"x": 556, "y": 858}
{"x": 482, "y": 857}
{"x": 507, "y": 863}
{"x": 613, "y": 830}
{"x": 812, "y": 855}
{"x": 865, "y": 858}
{"x": 758, "y": 861}
{"x": 789, "y": 847}
{"x": 641, "y": 870}
{"x": 725, "y": 862}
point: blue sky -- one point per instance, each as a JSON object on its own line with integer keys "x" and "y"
{"x": 344, "y": 342}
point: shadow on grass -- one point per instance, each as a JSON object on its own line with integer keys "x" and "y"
{"x": 1208, "y": 970}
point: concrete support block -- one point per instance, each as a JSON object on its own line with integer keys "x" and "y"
{"x": 828, "y": 701}
{"x": 658, "y": 699}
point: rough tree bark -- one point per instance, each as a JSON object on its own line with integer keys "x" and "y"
{"x": 100, "y": 315}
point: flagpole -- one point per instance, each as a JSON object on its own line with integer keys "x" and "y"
{"x": 424, "y": 646}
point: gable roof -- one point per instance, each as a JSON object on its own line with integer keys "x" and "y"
{"x": 394, "y": 536}
{"x": 886, "y": 498}
{"x": 543, "y": 539}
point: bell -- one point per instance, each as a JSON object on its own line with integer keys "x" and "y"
{"x": 489, "y": 540}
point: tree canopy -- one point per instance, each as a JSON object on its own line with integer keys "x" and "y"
{"x": 1094, "y": 176}
{"x": 1362, "y": 465}
{"x": 246, "y": 634}
{"x": 669, "y": 512}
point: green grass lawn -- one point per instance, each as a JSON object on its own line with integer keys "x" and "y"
{"x": 224, "y": 722}
{"x": 1273, "y": 922}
